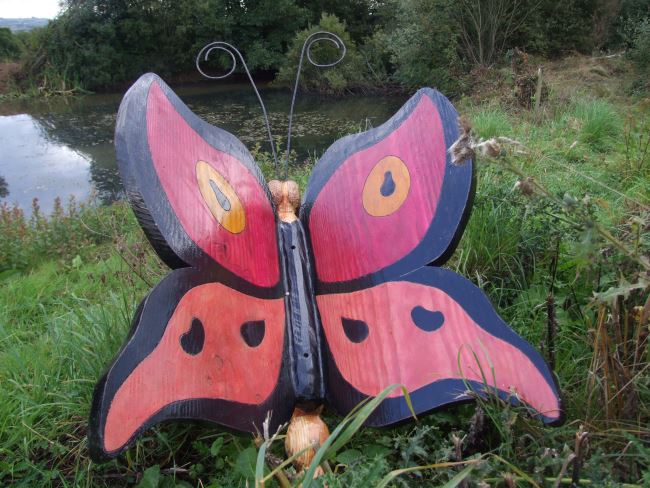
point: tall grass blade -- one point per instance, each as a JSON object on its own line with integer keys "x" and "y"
{"x": 259, "y": 465}
{"x": 347, "y": 428}
{"x": 455, "y": 481}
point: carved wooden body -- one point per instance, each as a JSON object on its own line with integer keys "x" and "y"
{"x": 266, "y": 309}
{"x": 303, "y": 320}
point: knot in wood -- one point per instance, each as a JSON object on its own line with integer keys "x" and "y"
{"x": 286, "y": 197}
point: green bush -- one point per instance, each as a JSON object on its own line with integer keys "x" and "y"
{"x": 623, "y": 27}
{"x": 101, "y": 43}
{"x": 640, "y": 51}
{"x": 350, "y": 74}
{"x": 422, "y": 39}
{"x": 10, "y": 46}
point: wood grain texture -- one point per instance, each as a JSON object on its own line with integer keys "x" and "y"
{"x": 306, "y": 433}
{"x": 435, "y": 333}
{"x": 334, "y": 305}
{"x": 159, "y": 143}
{"x": 286, "y": 197}
{"x": 358, "y": 238}
{"x": 221, "y": 198}
{"x": 193, "y": 353}
{"x": 386, "y": 187}
{"x": 304, "y": 329}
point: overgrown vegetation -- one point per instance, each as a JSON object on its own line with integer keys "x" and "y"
{"x": 10, "y": 46}
{"x": 101, "y": 44}
{"x": 640, "y": 51}
{"x": 558, "y": 238}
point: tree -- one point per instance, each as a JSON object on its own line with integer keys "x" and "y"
{"x": 100, "y": 43}
{"x": 359, "y": 16}
{"x": 350, "y": 74}
{"x": 487, "y": 26}
{"x": 422, "y": 39}
{"x": 10, "y": 46}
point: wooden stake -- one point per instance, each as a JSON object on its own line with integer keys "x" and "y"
{"x": 538, "y": 91}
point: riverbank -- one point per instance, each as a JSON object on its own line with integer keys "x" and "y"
{"x": 558, "y": 238}
{"x": 7, "y": 73}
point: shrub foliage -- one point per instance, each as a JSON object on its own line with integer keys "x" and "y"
{"x": 98, "y": 44}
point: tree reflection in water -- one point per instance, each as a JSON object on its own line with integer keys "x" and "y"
{"x": 4, "y": 189}
{"x": 85, "y": 125}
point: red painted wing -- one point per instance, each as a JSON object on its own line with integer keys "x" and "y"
{"x": 384, "y": 202}
{"x": 198, "y": 194}
{"x": 435, "y": 333}
{"x": 196, "y": 351}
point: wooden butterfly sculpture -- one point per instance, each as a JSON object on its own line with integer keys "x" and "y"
{"x": 269, "y": 307}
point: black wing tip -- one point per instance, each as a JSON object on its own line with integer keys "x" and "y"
{"x": 393, "y": 412}
{"x": 95, "y": 425}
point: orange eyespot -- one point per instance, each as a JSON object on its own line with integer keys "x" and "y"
{"x": 223, "y": 202}
{"x": 386, "y": 187}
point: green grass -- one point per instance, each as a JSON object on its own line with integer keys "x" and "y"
{"x": 69, "y": 286}
{"x": 491, "y": 122}
{"x": 599, "y": 123}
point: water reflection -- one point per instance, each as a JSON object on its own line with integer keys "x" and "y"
{"x": 4, "y": 191}
{"x": 66, "y": 147}
{"x": 35, "y": 167}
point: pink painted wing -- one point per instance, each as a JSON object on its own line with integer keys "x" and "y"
{"x": 199, "y": 196}
{"x": 198, "y": 350}
{"x": 435, "y": 333}
{"x": 387, "y": 201}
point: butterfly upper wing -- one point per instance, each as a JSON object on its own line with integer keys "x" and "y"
{"x": 195, "y": 189}
{"x": 197, "y": 350}
{"x": 386, "y": 201}
{"x": 435, "y": 333}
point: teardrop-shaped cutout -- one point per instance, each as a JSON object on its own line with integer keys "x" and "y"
{"x": 355, "y": 330}
{"x": 221, "y": 198}
{"x": 388, "y": 186}
{"x": 253, "y": 332}
{"x": 192, "y": 341}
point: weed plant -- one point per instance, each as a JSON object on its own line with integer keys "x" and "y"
{"x": 558, "y": 238}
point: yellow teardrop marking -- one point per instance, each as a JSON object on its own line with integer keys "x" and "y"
{"x": 386, "y": 187}
{"x": 223, "y": 202}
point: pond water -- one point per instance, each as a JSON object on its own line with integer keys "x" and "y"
{"x": 65, "y": 147}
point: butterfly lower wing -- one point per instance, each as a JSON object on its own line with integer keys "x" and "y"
{"x": 197, "y": 350}
{"x": 435, "y": 333}
{"x": 198, "y": 194}
{"x": 384, "y": 202}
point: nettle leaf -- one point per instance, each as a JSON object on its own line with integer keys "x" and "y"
{"x": 348, "y": 456}
{"x": 150, "y": 478}
{"x": 216, "y": 446}
{"x": 624, "y": 290}
{"x": 376, "y": 450}
{"x": 170, "y": 482}
{"x": 246, "y": 461}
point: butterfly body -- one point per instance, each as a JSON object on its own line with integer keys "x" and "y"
{"x": 275, "y": 302}
{"x": 303, "y": 321}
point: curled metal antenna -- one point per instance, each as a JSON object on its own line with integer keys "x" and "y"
{"x": 306, "y": 47}
{"x": 234, "y": 54}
